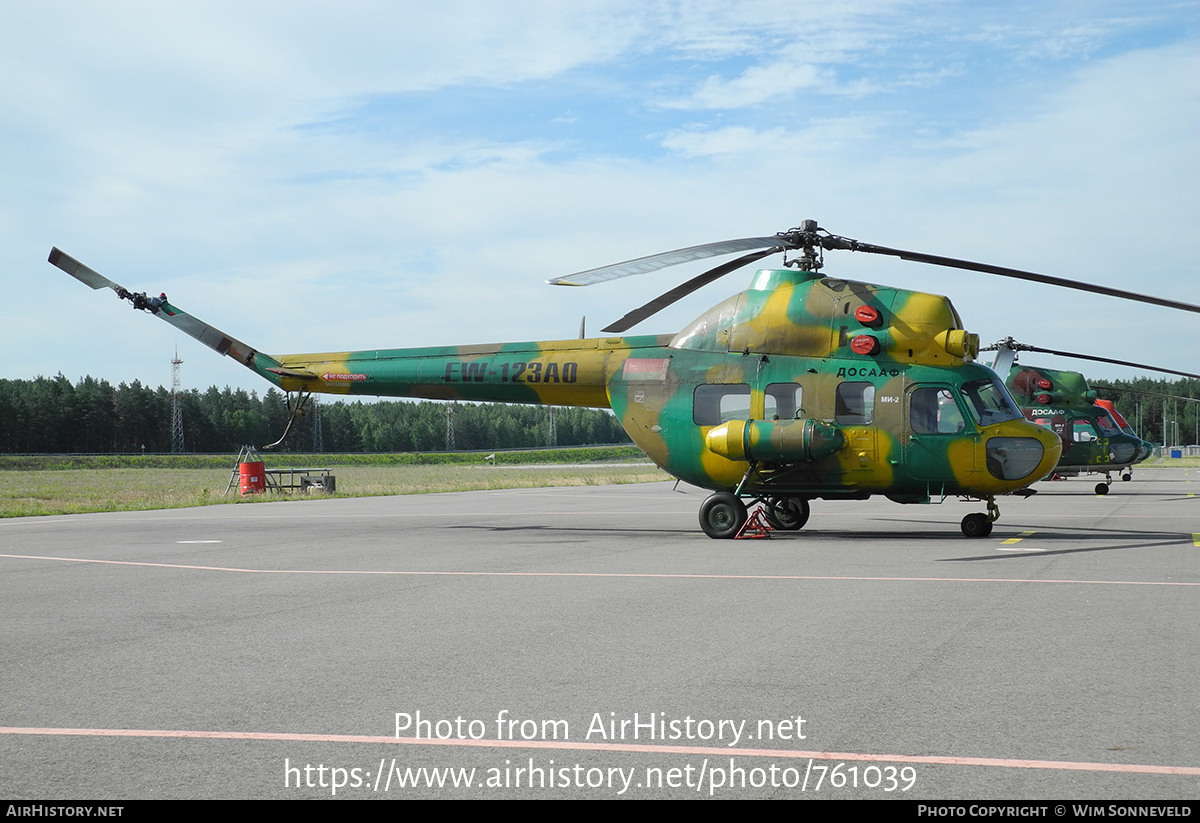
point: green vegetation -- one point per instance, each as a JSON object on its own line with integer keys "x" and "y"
{"x": 55, "y": 462}
{"x": 54, "y": 416}
{"x": 53, "y": 488}
{"x": 1169, "y": 463}
{"x": 87, "y": 447}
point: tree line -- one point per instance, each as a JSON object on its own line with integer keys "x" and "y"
{"x": 52, "y": 415}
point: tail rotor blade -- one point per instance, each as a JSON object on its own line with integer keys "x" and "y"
{"x": 84, "y": 274}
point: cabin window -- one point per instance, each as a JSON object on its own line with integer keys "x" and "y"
{"x": 1083, "y": 432}
{"x": 933, "y": 410}
{"x": 855, "y": 404}
{"x": 717, "y": 403}
{"x": 781, "y": 401}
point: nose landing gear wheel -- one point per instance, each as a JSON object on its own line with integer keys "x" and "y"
{"x": 976, "y": 525}
{"x": 722, "y": 515}
{"x": 788, "y": 514}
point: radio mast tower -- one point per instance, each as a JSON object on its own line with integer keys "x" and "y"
{"x": 176, "y": 406}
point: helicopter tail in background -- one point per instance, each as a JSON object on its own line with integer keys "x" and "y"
{"x": 217, "y": 340}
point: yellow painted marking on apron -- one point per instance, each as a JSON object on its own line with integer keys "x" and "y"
{"x": 1012, "y": 540}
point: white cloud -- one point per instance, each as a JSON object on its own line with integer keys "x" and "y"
{"x": 758, "y": 84}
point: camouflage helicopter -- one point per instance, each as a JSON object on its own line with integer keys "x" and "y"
{"x": 1144, "y": 451}
{"x": 1095, "y": 438}
{"x": 800, "y": 387}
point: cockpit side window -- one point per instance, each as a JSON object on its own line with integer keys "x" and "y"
{"x": 1107, "y": 427}
{"x": 1083, "y": 431}
{"x": 990, "y": 402}
{"x": 717, "y": 403}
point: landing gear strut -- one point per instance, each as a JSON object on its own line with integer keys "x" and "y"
{"x": 978, "y": 524}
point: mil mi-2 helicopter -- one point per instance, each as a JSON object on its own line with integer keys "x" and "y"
{"x": 1095, "y": 438}
{"x": 800, "y": 387}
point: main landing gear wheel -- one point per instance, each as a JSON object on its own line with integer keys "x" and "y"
{"x": 1101, "y": 488}
{"x": 788, "y": 514}
{"x": 976, "y": 525}
{"x": 722, "y": 515}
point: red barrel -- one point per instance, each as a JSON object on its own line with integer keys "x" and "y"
{"x": 252, "y": 478}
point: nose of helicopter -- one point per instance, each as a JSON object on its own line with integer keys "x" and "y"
{"x": 1018, "y": 453}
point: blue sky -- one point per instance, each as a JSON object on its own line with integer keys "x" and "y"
{"x": 317, "y": 176}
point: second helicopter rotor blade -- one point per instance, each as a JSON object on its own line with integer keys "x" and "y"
{"x": 654, "y": 262}
{"x": 684, "y": 289}
{"x": 1106, "y": 360}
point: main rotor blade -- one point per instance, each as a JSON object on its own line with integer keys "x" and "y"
{"x": 684, "y": 289}
{"x": 953, "y": 263}
{"x": 1149, "y": 393}
{"x": 1024, "y": 347}
{"x": 653, "y": 262}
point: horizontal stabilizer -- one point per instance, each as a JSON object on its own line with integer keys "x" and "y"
{"x": 297, "y": 373}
